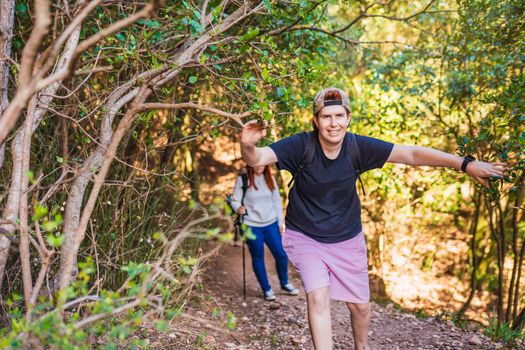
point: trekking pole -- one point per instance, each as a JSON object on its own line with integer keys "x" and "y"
{"x": 243, "y": 263}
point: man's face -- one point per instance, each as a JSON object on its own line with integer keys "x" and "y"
{"x": 332, "y": 122}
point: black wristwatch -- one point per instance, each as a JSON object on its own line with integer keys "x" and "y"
{"x": 466, "y": 160}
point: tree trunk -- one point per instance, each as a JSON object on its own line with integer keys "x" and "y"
{"x": 496, "y": 235}
{"x": 520, "y": 258}
{"x": 501, "y": 262}
{"x": 25, "y": 253}
{"x": 193, "y": 175}
{"x": 517, "y": 289}
{"x": 69, "y": 255}
{"x": 515, "y": 252}
{"x": 13, "y": 199}
{"x": 7, "y": 11}
{"x": 91, "y": 165}
{"x": 519, "y": 321}
{"x": 44, "y": 98}
{"x": 473, "y": 280}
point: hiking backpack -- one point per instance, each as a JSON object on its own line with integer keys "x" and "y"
{"x": 352, "y": 154}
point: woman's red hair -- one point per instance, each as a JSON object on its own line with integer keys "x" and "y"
{"x": 267, "y": 177}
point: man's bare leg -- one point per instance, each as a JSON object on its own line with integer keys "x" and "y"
{"x": 360, "y": 316}
{"x": 319, "y": 318}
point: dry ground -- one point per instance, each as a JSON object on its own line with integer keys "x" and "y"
{"x": 283, "y": 324}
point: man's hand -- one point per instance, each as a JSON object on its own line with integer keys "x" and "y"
{"x": 252, "y": 132}
{"x": 241, "y": 210}
{"x": 482, "y": 171}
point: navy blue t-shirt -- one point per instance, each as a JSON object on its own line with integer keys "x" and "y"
{"x": 323, "y": 202}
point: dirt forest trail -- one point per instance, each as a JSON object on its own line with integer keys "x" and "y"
{"x": 283, "y": 324}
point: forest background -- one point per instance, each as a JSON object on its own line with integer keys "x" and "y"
{"x": 119, "y": 123}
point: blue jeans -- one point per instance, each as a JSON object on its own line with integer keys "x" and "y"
{"x": 271, "y": 236}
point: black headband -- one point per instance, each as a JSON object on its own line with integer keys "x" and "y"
{"x": 333, "y": 103}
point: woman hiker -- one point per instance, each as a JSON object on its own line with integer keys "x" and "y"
{"x": 262, "y": 212}
{"x": 323, "y": 237}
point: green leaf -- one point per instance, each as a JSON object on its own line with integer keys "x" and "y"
{"x": 110, "y": 346}
{"x": 31, "y": 176}
{"x": 55, "y": 241}
{"x": 159, "y": 236}
{"x": 192, "y": 204}
{"x": 231, "y": 321}
{"x": 265, "y": 74}
{"x": 50, "y": 226}
{"x": 79, "y": 336}
{"x": 197, "y": 14}
{"x": 172, "y": 313}
{"x": 192, "y": 261}
{"x": 268, "y": 6}
{"x": 212, "y": 232}
{"x": 40, "y": 212}
{"x": 21, "y": 7}
{"x": 120, "y": 37}
{"x": 196, "y": 27}
{"x": 193, "y": 79}
{"x": 250, "y": 34}
{"x": 248, "y": 232}
{"x": 162, "y": 326}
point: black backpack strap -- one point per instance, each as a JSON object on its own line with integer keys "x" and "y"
{"x": 244, "y": 178}
{"x": 308, "y": 155}
{"x": 355, "y": 157}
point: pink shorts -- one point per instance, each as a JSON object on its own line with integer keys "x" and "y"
{"x": 343, "y": 266}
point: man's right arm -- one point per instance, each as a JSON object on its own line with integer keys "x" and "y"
{"x": 252, "y": 132}
{"x": 257, "y": 156}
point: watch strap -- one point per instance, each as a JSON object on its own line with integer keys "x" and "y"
{"x": 466, "y": 160}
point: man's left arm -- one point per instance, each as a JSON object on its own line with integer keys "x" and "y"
{"x": 424, "y": 156}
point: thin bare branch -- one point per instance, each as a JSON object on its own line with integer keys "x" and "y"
{"x": 279, "y": 31}
{"x": 348, "y": 41}
{"x": 42, "y": 23}
{"x": 204, "y": 17}
{"x": 46, "y": 61}
{"x": 363, "y": 14}
{"x": 25, "y": 254}
{"x": 403, "y": 19}
{"x": 100, "y": 316}
{"x": 46, "y": 262}
{"x": 235, "y": 117}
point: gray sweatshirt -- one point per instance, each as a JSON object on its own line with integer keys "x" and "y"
{"x": 263, "y": 206}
